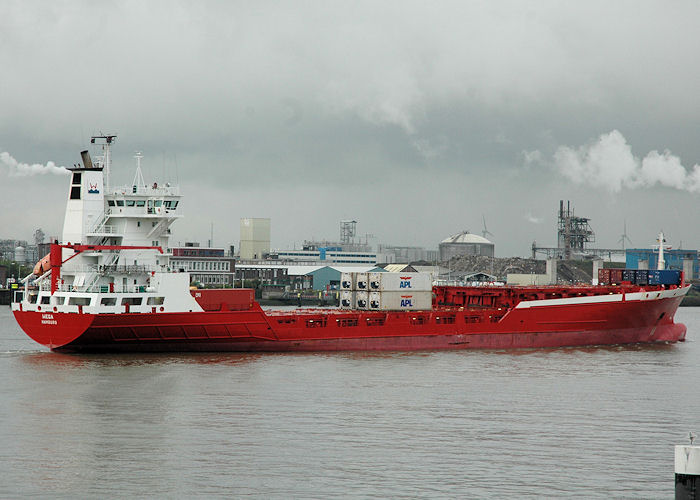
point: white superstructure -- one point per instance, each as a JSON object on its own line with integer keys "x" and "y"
{"x": 105, "y": 276}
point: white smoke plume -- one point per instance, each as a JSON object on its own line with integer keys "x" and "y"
{"x": 18, "y": 169}
{"x": 609, "y": 163}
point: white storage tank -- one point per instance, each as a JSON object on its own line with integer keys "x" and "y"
{"x": 20, "y": 255}
{"x": 396, "y": 282}
{"x": 347, "y": 299}
{"x": 362, "y": 300}
{"x": 401, "y": 301}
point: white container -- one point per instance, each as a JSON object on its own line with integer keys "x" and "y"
{"x": 361, "y": 282}
{"x": 347, "y": 299}
{"x": 347, "y": 281}
{"x": 375, "y": 281}
{"x": 362, "y": 300}
{"x": 399, "y": 282}
{"x": 401, "y": 301}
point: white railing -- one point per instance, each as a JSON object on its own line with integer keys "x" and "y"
{"x": 103, "y": 230}
{"x": 160, "y": 190}
{"x": 99, "y": 288}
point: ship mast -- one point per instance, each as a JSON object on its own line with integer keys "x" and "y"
{"x": 662, "y": 262}
{"x": 107, "y": 158}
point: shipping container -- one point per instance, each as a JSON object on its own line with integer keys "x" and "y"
{"x": 397, "y": 282}
{"x": 641, "y": 277}
{"x": 401, "y": 301}
{"x": 347, "y": 299}
{"x": 628, "y": 275}
{"x": 603, "y": 276}
{"x": 615, "y": 276}
{"x": 361, "y": 300}
{"x": 654, "y": 277}
{"x": 346, "y": 281}
{"x": 360, "y": 281}
{"x": 669, "y": 277}
{"x": 374, "y": 280}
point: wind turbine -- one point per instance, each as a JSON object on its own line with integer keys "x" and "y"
{"x": 485, "y": 231}
{"x": 624, "y": 236}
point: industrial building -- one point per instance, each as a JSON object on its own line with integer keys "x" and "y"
{"x": 334, "y": 255}
{"x": 389, "y": 254}
{"x": 574, "y": 233}
{"x": 465, "y": 243}
{"x": 208, "y": 266}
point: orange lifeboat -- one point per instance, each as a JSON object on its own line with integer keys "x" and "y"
{"x": 42, "y": 266}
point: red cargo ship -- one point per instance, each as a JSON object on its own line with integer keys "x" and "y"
{"x": 116, "y": 292}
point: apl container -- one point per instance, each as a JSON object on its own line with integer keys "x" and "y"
{"x": 401, "y": 301}
{"x": 397, "y": 282}
{"x": 346, "y": 281}
{"x": 347, "y": 299}
{"x": 360, "y": 281}
{"x": 362, "y": 300}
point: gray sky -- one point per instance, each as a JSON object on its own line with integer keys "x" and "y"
{"x": 414, "y": 118}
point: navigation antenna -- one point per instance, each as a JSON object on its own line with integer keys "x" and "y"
{"x": 138, "y": 177}
{"x": 107, "y": 157}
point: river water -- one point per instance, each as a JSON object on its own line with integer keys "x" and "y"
{"x": 592, "y": 423}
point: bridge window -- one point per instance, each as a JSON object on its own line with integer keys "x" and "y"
{"x": 108, "y": 301}
{"x": 132, "y": 301}
{"x": 79, "y": 301}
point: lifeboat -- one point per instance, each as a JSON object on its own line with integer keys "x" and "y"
{"x": 42, "y": 266}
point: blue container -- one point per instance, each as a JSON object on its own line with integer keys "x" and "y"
{"x": 628, "y": 275}
{"x": 669, "y": 277}
{"x": 641, "y": 277}
{"x": 654, "y": 277}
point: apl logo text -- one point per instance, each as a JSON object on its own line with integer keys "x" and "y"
{"x": 407, "y": 301}
{"x": 405, "y": 282}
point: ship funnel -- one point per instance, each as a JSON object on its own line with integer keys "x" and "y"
{"x": 87, "y": 161}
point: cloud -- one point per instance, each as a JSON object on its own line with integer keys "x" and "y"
{"x": 18, "y": 169}
{"x": 532, "y": 219}
{"x": 531, "y": 157}
{"x": 609, "y": 163}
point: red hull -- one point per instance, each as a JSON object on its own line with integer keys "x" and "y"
{"x": 443, "y": 328}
